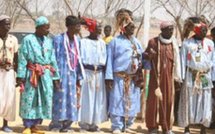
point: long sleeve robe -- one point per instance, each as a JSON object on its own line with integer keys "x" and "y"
{"x": 36, "y": 103}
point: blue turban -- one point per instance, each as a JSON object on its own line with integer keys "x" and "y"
{"x": 41, "y": 21}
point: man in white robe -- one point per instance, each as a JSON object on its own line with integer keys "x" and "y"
{"x": 8, "y": 55}
{"x": 197, "y": 57}
{"x": 93, "y": 105}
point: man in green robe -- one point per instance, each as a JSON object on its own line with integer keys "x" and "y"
{"x": 37, "y": 76}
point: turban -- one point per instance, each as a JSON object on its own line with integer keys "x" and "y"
{"x": 122, "y": 20}
{"x": 3, "y": 17}
{"x": 91, "y": 24}
{"x": 41, "y": 21}
{"x": 198, "y": 27}
{"x": 165, "y": 24}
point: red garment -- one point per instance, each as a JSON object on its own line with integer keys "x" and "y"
{"x": 37, "y": 71}
{"x": 91, "y": 24}
{"x": 166, "y": 86}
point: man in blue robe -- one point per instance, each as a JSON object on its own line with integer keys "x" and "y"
{"x": 65, "y": 100}
{"x": 124, "y": 57}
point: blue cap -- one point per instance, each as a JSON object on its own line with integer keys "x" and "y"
{"x": 42, "y": 20}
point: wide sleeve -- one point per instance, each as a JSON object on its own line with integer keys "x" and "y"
{"x": 139, "y": 47}
{"x": 109, "y": 65}
{"x": 177, "y": 62}
{"x": 53, "y": 62}
{"x": 146, "y": 58}
{"x": 183, "y": 54}
{"x": 80, "y": 69}
{"x": 213, "y": 65}
{"x": 103, "y": 53}
{"x": 16, "y": 45}
{"x": 56, "y": 47}
{"x": 22, "y": 58}
{"x": 148, "y": 52}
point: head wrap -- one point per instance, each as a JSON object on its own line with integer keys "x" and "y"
{"x": 165, "y": 24}
{"x": 42, "y": 20}
{"x": 198, "y": 27}
{"x": 189, "y": 26}
{"x": 3, "y": 17}
{"x": 90, "y": 23}
{"x": 123, "y": 18}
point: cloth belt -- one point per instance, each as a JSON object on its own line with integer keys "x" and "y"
{"x": 123, "y": 74}
{"x": 126, "y": 83}
{"x": 197, "y": 79}
{"x": 37, "y": 71}
{"x": 94, "y": 68}
{"x": 137, "y": 77}
{"x": 195, "y": 71}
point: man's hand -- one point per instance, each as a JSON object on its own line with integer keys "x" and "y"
{"x": 109, "y": 84}
{"x": 78, "y": 84}
{"x": 56, "y": 84}
{"x": 20, "y": 84}
{"x": 158, "y": 93}
{"x": 19, "y": 81}
{"x": 152, "y": 53}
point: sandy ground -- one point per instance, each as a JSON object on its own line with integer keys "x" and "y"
{"x": 137, "y": 128}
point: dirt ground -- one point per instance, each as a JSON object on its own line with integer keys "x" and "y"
{"x": 137, "y": 128}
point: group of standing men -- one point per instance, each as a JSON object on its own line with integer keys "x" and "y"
{"x": 63, "y": 78}
{"x": 190, "y": 69}
{"x": 69, "y": 79}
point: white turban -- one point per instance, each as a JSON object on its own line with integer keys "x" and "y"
{"x": 3, "y": 17}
